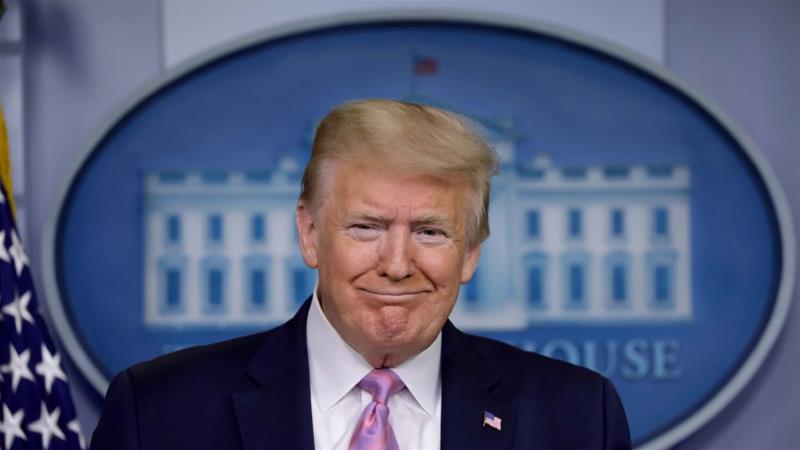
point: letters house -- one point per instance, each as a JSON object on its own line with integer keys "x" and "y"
{"x": 569, "y": 244}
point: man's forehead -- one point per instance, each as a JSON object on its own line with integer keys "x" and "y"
{"x": 396, "y": 170}
{"x": 381, "y": 193}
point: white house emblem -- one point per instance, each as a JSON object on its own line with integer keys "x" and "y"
{"x": 633, "y": 231}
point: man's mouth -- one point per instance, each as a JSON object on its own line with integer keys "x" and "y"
{"x": 394, "y": 295}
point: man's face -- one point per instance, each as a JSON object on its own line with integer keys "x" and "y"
{"x": 391, "y": 250}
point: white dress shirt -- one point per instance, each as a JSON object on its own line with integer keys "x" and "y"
{"x": 337, "y": 402}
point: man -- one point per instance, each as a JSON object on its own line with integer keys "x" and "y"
{"x": 393, "y": 211}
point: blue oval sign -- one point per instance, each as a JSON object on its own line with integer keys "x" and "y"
{"x": 633, "y": 231}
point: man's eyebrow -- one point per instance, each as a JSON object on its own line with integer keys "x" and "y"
{"x": 432, "y": 219}
{"x": 422, "y": 219}
{"x": 367, "y": 216}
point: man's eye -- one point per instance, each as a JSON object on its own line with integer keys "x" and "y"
{"x": 431, "y": 232}
{"x": 431, "y": 235}
{"x": 363, "y": 231}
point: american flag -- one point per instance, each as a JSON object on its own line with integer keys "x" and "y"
{"x": 37, "y": 410}
{"x": 490, "y": 420}
{"x": 425, "y": 65}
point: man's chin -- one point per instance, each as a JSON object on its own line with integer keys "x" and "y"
{"x": 399, "y": 347}
{"x": 389, "y": 351}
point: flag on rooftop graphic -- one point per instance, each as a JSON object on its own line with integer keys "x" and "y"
{"x": 425, "y": 65}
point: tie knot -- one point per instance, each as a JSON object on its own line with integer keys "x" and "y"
{"x": 381, "y": 383}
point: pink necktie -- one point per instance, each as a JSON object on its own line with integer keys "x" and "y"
{"x": 373, "y": 431}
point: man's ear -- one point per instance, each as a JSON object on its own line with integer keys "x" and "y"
{"x": 307, "y": 234}
{"x": 470, "y": 263}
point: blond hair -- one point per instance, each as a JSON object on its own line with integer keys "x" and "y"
{"x": 409, "y": 137}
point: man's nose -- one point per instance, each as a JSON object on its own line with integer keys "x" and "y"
{"x": 397, "y": 255}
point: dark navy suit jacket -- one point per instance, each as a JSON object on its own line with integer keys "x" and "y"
{"x": 252, "y": 393}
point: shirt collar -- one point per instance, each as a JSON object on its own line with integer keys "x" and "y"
{"x": 335, "y": 367}
{"x": 421, "y": 375}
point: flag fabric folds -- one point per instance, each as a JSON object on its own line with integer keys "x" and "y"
{"x": 36, "y": 409}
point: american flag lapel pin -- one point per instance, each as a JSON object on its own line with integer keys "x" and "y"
{"x": 490, "y": 420}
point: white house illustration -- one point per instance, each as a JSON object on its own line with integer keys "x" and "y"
{"x": 221, "y": 248}
{"x": 594, "y": 244}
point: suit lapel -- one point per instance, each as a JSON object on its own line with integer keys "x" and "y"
{"x": 470, "y": 387}
{"x": 276, "y": 413}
